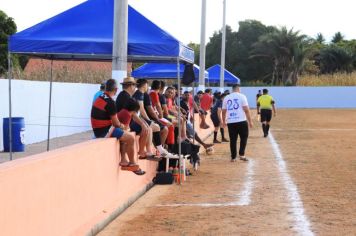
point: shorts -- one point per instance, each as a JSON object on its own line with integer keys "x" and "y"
{"x": 215, "y": 120}
{"x": 115, "y": 133}
{"x": 161, "y": 126}
{"x": 190, "y": 130}
{"x": 135, "y": 127}
{"x": 202, "y": 112}
{"x": 266, "y": 115}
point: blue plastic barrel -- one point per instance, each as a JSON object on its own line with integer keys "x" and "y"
{"x": 18, "y": 134}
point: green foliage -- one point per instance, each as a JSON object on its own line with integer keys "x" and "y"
{"x": 320, "y": 38}
{"x": 334, "y": 59}
{"x": 196, "y": 49}
{"x": 7, "y": 27}
{"x": 337, "y": 38}
{"x": 288, "y": 51}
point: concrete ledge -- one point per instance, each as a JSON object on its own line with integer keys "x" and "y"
{"x": 69, "y": 190}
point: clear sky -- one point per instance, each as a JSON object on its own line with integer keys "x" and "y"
{"x": 182, "y": 18}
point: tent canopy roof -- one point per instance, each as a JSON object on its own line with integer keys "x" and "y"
{"x": 163, "y": 71}
{"x": 214, "y": 75}
{"x": 86, "y": 32}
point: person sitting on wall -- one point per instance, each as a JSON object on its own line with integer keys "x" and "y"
{"x": 139, "y": 126}
{"x": 159, "y": 131}
{"x": 101, "y": 91}
{"x": 105, "y": 124}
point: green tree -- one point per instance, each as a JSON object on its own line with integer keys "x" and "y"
{"x": 288, "y": 51}
{"x": 338, "y": 37}
{"x": 336, "y": 59}
{"x": 7, "y": 27}
{"x": 196, "y": 49}
{"x": 320, "y": 38}
{"x": 247, "y": 68}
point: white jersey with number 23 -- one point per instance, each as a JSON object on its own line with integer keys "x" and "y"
{"x": 233, "y": 104}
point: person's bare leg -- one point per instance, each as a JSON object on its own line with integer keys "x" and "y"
{"x": 142, "y": 144}
{"x": 129, "y": 141}
{"x": 124, "y": 159}
{"x": 149, "y": 141}
{"x": 202, "y": 122}
{"x": 183, "y": 132}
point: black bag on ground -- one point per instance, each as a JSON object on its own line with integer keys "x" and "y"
{"x": 163, "y": 178}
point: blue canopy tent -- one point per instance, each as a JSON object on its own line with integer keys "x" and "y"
{"x": 164, "y": 71}
{"x": 86, "y": 32}
{"x": 214, "y": 75}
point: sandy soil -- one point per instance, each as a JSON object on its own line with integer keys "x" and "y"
{"x": 251, "y": 198}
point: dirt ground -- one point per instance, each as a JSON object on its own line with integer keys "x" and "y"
{"x": 225, "y": 198}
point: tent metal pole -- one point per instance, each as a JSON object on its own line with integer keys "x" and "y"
{"x": 10, "y": 104}
{"x": 50, "y": 106}
{"x": 179, "y": 124}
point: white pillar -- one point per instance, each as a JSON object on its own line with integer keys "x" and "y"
{"x": 120, "y": 39}
{"x": 202, "y": 47}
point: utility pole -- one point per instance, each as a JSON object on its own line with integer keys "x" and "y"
{"x": 202, "y": 47}
{"x": 223, "y": 39}
{"x": 120, "y": 35}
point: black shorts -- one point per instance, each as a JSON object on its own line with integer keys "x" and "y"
{"x": 161, "y": 126}
{"x": 215, "y": 120}
{"x": 266, "y": 115}
{"x": 135, "y": 127}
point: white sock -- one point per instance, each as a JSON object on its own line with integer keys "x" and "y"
{"x": 160, "y": 148}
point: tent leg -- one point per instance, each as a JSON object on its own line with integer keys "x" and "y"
{"x": 50, "y": 106}
{"x": 181, "y": 159}
{"x": 10, "y": 104}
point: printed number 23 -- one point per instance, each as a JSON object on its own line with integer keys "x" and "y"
{"x": 232, "y": 105}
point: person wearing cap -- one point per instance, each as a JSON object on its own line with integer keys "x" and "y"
{"x": 101, "y": 91}
{"x": 236, "y": 116}
{"x": 265, "y": 105}
{"x": 137, "y": 124}
{"x": 105, "y": 124}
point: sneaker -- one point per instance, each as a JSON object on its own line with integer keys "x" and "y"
{"x": 169, "y": 155}
{"x": 224, "y": 140}
{"x": 216, "y": 141}
{"x": 233, "y": 160}
{"x": 243, "y": 158}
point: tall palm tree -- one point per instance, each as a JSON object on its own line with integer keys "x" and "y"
{"x": 338, "y": 37}
{"x": 287, "y": 49}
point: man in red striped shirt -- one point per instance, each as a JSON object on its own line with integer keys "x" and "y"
{"x": 105, "y": 124}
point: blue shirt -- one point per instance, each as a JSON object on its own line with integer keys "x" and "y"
{"x": 217, "y": 105}
{"x": 97, "y": 95}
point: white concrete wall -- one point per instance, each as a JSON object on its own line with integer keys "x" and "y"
{"x": 71, "y": 105}
{"x": 305, "y": 97}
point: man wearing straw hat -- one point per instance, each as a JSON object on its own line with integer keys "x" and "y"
{"x": 106, "y": 124}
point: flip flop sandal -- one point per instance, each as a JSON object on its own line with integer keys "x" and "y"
{"x": 123, "y": 164}
{"x": 130, "y": 167}
{"x": 153, "y": 158}
{"x": 139, "y": 172}
{"x": 142, "y": 157}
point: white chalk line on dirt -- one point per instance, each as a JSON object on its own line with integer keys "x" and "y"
{"x": 244, "y": 196}
{"x": 339, "y": 129}
{"x": 301, "y": 220}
